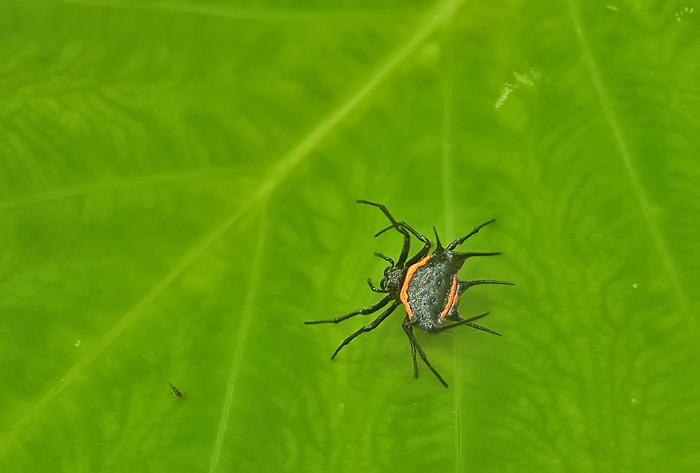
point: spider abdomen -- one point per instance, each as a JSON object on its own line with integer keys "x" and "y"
{"x": 429, "y": 292}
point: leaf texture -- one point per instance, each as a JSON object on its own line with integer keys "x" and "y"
{"x": 177, "y": 196}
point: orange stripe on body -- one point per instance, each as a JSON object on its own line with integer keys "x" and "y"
{"x": 403, "y": 295}
{"x": 452, "y": 299}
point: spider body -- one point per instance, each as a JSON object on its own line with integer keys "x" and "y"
{"x": 427, "y": 285}
{"x": 430, "y": 291}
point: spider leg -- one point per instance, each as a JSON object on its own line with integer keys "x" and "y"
{"x": 368, "y": 328}
{"x": 369, "y": 310}
{"x": 423, "y": 239}
{"x": 459, "y": 241}
{"x": 464, "y": 285}
{"x": 408, "y": 328}
{"x": 375, "y": 289}
{"x": 382, "y": 208}
{"x": 394, "y": 224}
{"x": 423, "y": 251}
{"x": 385, "y": 258}
{"x": 470, "y": 324}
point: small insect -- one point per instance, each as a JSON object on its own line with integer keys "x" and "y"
{"x": 176, "y": 391}
{"x": 426, "y": 284}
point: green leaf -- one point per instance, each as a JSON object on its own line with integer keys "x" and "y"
{"x": 177, "y": 196}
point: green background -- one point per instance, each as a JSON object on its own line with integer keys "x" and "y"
{"x": 177, "y": 187}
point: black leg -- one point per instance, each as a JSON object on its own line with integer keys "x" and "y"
{"x": 483, "y": 329}
{"x": 469, "y": 323}
{"x": 464, "y": 285}
{"x": 394, "y": 224}
{"x": 402, "y": 227}
{"x": 368, "y": 310}
{"x": 459, "y": 241}
{"x": 408, "y": 328}
{"x": 375, "y": 289}
{"x": 409, "y": 332}
{"x": 368, "y": 327}
{"x": 382, "y": 208}
{"x": 385, "y": 258}
{"x": 457, "y": 318}
{"x": 423, "y": 251}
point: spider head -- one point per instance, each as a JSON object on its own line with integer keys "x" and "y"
{"x": 393, "y": 276}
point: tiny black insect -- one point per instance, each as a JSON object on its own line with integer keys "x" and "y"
{"x": 176, "y": 391}
{"x": 426, "y": 284}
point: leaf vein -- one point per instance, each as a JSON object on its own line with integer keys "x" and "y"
{"x": 240, "y": 344}
{"x": 241, "y": 14}
{"x": 632, "y": 174}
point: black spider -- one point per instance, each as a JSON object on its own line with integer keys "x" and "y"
{"x": 426, "y": 284}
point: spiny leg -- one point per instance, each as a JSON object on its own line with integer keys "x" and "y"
{"x": 403, "y": 225}
{"x": 469, "y": 323}
{"x": 385, "y": 258}
{"x": 369, "y": 310}
{"x": 483, "y": 329}
{"x": 409, "y": 332}
{"x": 459, "y": 241}
{"x": 408, "y": 328}
{"x": 375, "y": 289}
{"x": 394, "y": 224}
{"x": 423, "y": 239}
{"x": 367, "y": 328}
{"x": 464, "y": 285}
{"x": 381, "y": 207}
{"x": 423, "y": 251}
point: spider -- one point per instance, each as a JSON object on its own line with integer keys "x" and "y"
{"x": 426, "y": 284}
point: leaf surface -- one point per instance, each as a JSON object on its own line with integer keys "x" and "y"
{"x": 177, "y": 196}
